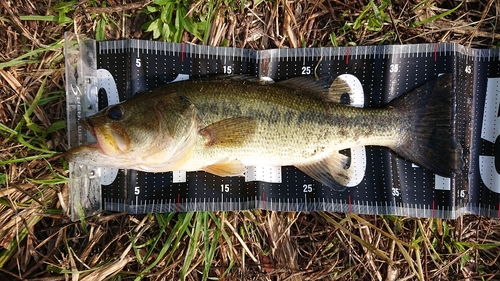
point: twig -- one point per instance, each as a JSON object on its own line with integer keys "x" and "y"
{"x": 117, "y": 9}
{"x": 395, "y": 27}
{"x": 241, "y": 241}
{"x": 483, "y": 16}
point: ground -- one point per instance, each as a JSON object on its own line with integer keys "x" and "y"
{"x": 39, "y": 242}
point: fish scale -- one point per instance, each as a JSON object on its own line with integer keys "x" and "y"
{"x": 287, "y": 125}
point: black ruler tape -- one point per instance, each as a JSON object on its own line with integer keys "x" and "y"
{"x": 389, "y": 185}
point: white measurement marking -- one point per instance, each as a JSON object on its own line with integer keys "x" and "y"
{"x": 178, "y": 176}
{"x": 442, "y": 183}
{"x": 180, "y": 77}
{"x": 490, "y": 132}
{"x": 271, "y": 174}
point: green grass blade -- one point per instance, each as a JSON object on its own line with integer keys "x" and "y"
{"x": 193, "y": 244}
{"x": 177, "y": 232}
{"x": 21, "y": 140}
{"x": 26, "y": 159}
{"x": 64, "y": 19}
{"x": 208, "y": 19}
{"x": 359, "y": 20}
{"x": 26, "y": 58}
{"x": 58, "y": 179}
{"x": 433, "y": 18}
{"x": 210, "y": 247}
{"x": 163, "y": 221}
{"x": 369, "y": 246}
{"x": 30, "y": 109}
{"x": 220, "y": 225}
{"x": 7, "y": 129}
{"x": 12, "y": 248}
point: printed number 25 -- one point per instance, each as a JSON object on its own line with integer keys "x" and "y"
{"x": 306, "y": 70}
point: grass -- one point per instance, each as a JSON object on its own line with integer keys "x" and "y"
{"x": 39, "y": 242}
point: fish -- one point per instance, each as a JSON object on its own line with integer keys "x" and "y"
{"x": 221, "y": 125}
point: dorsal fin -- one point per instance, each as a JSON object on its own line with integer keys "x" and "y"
{"x": 322, "y": 88}
{"x": 307, "y": 83}
{"x": 337, "y": 89}
{"x": 244, "y": 78}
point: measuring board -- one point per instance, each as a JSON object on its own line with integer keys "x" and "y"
{"x": 105, "y": 73}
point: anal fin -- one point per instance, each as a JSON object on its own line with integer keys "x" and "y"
{"x": 331, "y": 171}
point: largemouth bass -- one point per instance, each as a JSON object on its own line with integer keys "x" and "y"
{"x": 222, "y": 125}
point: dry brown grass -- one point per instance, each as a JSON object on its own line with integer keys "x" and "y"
{"x": 38, "y": 242}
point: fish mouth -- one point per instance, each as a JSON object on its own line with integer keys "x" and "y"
{"x": 111, "y": 140}
{"x": 88, "y": 125}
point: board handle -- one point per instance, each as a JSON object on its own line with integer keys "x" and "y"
{"x": 81, "y": 100}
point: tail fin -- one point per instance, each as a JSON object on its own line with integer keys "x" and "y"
{"x": 429, "y": 139}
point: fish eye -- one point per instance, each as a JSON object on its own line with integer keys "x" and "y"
{"x": 115, "y": 112}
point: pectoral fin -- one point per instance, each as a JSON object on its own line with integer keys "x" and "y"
{"x": 331, "y": 171}
{"x": 226, "y": 169}
{"x": 229, "y": 132}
